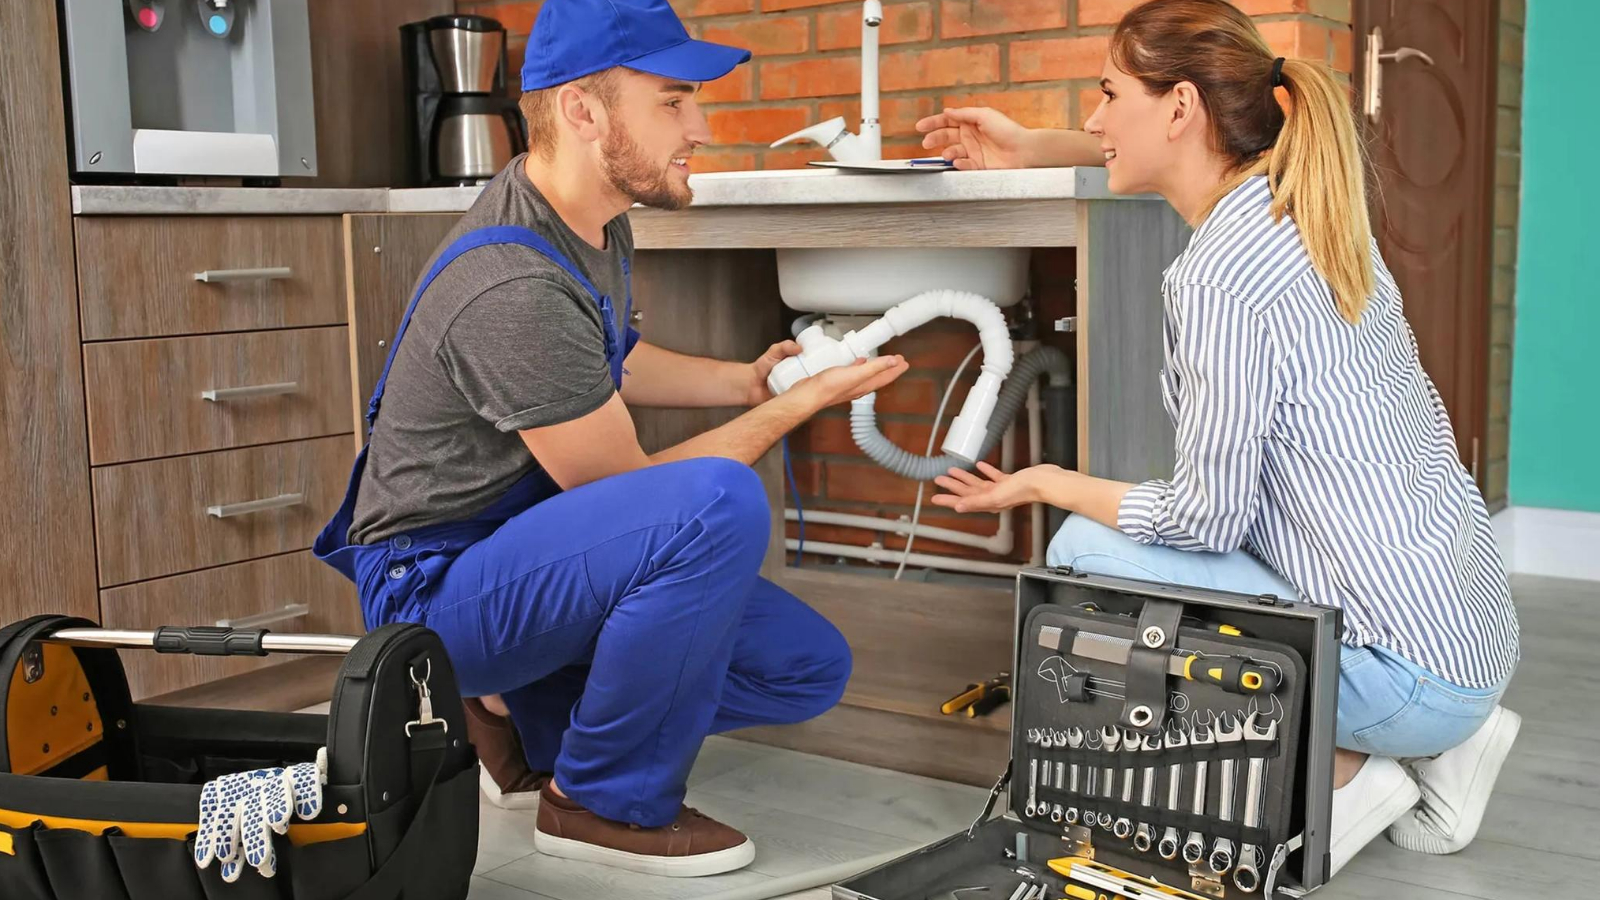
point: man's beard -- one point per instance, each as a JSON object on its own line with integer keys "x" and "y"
{"x": 639, "y": 179}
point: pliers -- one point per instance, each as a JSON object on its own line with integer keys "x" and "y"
{"x": 980, "y": 699}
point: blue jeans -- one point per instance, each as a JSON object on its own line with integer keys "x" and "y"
{"x": 1388, "y": 705}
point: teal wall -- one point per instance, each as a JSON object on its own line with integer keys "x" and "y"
{"x": 1555, "y": 381}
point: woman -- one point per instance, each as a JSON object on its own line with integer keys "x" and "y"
{"x": 1314, "y": 455}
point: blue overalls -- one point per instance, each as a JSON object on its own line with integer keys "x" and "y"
{"x": 621, "y": 621}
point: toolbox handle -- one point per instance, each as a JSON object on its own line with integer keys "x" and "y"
{"x": 206, "y": 640}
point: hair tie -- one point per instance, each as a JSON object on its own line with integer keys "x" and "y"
{"x": 1277, "y": 72}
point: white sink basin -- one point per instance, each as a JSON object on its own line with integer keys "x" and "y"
{"x": 867, "y": 281}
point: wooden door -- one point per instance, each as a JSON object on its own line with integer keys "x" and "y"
{"x": 1431, "y": 144}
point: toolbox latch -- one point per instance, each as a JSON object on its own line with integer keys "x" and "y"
{"x": 1271, "y": 600}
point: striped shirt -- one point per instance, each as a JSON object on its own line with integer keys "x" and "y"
{"x": 1321, "y": 448}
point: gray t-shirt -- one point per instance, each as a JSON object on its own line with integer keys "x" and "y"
{"x": 503, "y": 340}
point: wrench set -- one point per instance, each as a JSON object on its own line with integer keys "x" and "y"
{"x": 1167, "y": 742}
{"x": 1185, "y": 780}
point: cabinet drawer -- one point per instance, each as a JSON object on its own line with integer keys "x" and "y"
{"x": 301, "y": 594}
{"x": 150, "y": 398}
{"x": 174, "y": 515}
{"x": 137, "y": 274}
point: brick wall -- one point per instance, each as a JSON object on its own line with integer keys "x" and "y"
{"x": 1037, "y": 60}
{"x": 1507, "y": 195}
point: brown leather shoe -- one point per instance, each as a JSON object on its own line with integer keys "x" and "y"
{"x": 693, "y": 845}
{"x": 506, "y": 779}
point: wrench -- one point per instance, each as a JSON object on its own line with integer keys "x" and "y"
{"x": 1091, "y": 780}
{"x": 1222, "y": 849}
{"x": 1047, "y": 742}
{"x": 1112, "y": 739}
{"x": 1194, "y": 845}
{"x": 1074, "y": 741}
{"x": 1061, "y": 766}
{"x": 1123, "y": 827}
{"x": 1247, "y": 874}
{"x": 1176, "y": 739}
{"x": 1033, "y": 776}
{"x": 1145, "y": 836}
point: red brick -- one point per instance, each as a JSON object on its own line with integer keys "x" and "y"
{"x": 690, "y": 8}
{"x": 807, "y": 476}
{"x": 1088, "y": 101}
{"x": 831, "y": 435}
{"x": 1045, "y": 108}
{"x": 902, "y": 23}
{"x": 769, "y": 36}
{"x": 1343, "y": 50}
{"x": 1271, "y": 7}
{"x": 898, "y": 115}
{"x": 910, "y": 395}
{"x": 866, "y": 482}
{"x": 776, "y": 5}
{"x": 937, "y": 346}
{"x": 1103, "y": 12}
{"x": 736, "y": 86}
{"x": 516, "y": 17}
{"x": 1297, "y": 39}
{"x": 970, "y": 18}
{"x": 1058, "y": 58}
{"x": 792, "y": 159}
{"x": 910, "y": 70}
{"x": 756, "y": 126}
{"x": 716, "y": 160}
{"x": 810, "y": 78}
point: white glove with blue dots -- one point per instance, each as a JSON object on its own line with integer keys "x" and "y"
{"x": 239, "y": 812}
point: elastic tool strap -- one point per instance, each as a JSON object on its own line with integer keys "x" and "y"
{"x": 1145, "y": 708}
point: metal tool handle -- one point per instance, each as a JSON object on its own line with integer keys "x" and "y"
{"x": 228, "y": 510}
{"x": 170, "y": 639}
{"x": 288, "y": 613}
{"x": 219, "y": 395}
{"x": 223, "y": 276}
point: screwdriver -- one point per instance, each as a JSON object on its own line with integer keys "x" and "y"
{"x": 1234, "y": 674}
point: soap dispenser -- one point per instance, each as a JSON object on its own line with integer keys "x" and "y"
{"x": 833, "y": 135}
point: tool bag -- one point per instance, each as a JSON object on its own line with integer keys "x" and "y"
{"x": 1138, "y": 769}
{"x": 100, "y": 796}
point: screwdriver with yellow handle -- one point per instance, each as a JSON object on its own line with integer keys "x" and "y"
{"x": 1235, "y": 674}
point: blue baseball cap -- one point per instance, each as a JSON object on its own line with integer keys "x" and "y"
{"x": 574, "y": 38}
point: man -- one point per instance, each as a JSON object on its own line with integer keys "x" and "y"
{"x": 605, "y": 598}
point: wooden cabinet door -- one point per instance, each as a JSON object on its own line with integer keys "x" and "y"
{"x": 1432, "y": 150}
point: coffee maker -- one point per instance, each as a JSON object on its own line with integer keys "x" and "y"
{"x": 462, "y": 126}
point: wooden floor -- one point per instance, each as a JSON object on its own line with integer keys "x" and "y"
{"x": 806, "y": 812}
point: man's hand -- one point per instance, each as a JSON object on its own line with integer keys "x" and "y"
{"x": 977, "y": 138}
{"x": 995, "y": 490}
{"x": 758, "y": 393}
{"x": 841, "y": 384}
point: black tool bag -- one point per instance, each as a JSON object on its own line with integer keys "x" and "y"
{"x": 100, "y": 796}
{"x": 1109, "y": 673}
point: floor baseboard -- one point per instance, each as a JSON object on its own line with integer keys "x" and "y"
{"x": 1559, "y": 543}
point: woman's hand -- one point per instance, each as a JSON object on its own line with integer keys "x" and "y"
{"x": 977, "y": 138}
{"x": 995, "y": 490}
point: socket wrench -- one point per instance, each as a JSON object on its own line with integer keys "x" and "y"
{"x": 1144, "y": 837}
{"x": 1194, "y": 845}
{"x": 1229, "y": 731}
{"x": 1074, "y": 741}
{"x": 1123, "y": 827}
{"x": 1111, "y": 739}
{"x": 1247, "y": 874}
{"x": 1176, "y": 739}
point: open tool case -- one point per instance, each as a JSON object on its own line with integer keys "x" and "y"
{"x": 1144, "y": 683}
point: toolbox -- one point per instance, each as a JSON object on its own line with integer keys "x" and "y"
{"x": 1167, "y": 741}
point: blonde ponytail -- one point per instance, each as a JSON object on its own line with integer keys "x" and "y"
{"x": 1306, "y": 144}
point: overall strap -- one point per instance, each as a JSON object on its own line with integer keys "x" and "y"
{"x": 472, "y": 240}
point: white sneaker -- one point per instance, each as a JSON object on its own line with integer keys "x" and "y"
{"x": 1455, "y": 788}
{"x": 1379, "y": 794}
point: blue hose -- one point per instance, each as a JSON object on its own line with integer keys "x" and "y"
{"x": 794, "y": 493}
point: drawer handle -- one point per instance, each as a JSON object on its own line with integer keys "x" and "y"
{"x": 221, "y": 276}
{"x": 271, "y": 617}
{"x": 282, "y": 501}
{"x": 217, "y": 395}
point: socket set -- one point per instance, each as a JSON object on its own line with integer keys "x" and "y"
{"x": 1166, "y": 742}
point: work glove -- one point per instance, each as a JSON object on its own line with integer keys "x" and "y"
{"x": 239, "y": 813}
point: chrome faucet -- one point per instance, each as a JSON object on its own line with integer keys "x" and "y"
{"x": 833, "y": 135}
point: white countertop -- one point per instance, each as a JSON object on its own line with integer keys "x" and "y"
{"x": 784, "y": 187}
